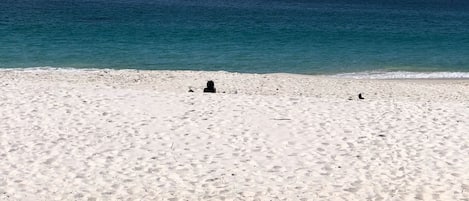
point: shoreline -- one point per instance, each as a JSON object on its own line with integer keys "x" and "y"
{"x": 359, "y": 75}
{"x": 283, "y": 84}
{"x": 120, "y": 135}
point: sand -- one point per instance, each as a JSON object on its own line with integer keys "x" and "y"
{"x": 140, "y": 135}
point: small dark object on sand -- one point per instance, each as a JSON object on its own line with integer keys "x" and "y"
{"x": 210, "y": 87}
{"x": 190, "y": 90}
{"x": 360, "y": 96}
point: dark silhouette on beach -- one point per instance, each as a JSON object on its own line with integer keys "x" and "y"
{"x": 360, "y": 96}
{"x": 210, "y": 87}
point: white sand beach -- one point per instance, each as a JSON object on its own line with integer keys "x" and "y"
{"x": 140, "y": 135}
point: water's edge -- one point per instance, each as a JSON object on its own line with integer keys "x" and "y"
{"x": 354, "y": 75}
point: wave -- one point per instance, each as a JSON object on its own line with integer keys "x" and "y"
{"x": 404, "y": 75}
{"x": 65, "y": 69}
{"x": 353, "y": 75}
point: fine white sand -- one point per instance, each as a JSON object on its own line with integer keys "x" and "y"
{"x": 140, "y": 135}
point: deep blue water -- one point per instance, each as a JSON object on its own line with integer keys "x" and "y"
{"x": 296, "y": 36}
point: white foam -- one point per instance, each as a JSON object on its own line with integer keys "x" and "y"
{"x": 46, "y": 69}
{"x": 50, "y": 68}
{"x": 355, "y": 75}
{"x": 404, "y": 75}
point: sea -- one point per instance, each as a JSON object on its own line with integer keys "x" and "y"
{"x": 356, "y": 38}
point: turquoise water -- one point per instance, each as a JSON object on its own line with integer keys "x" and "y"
{"x": 260, "y": 36}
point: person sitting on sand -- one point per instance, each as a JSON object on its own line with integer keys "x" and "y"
{"x": 210, "y": 87}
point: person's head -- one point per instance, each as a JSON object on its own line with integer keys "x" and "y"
{"x": 210, "y": 84}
